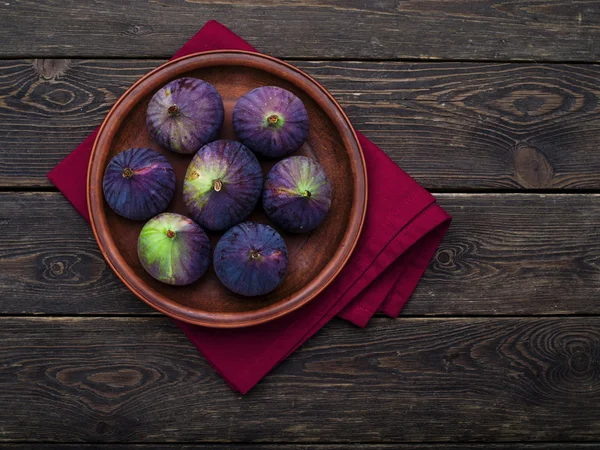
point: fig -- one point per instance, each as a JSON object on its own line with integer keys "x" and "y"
{"x": 138, "y": 183}
{"x": 222, "y": 185}
{"x": 185, "y": 114}
{"x": 174, "y": 249}
{"x": 251, "y": 259}
{"x": 270, "y": 121}
{"x": 297, "y": 194}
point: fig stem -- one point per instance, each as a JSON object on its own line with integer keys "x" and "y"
{"x": 170, "y": 234}
{"x": 307, "y": 193}
{"x": 127, "y": 173}
{"x": 217, "y": 185}
{"x": 173, "y": 110}
{"x": 273, "y": 119}
{"x": 254, "y": 254}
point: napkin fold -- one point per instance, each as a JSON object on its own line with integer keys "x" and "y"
{"x": 402, "y": 229}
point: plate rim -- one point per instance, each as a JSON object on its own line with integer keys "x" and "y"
{"x": 227, "y": 319}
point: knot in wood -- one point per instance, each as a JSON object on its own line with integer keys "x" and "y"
{"x": 51, "y": 69}
{"x": 532, "y": 169}
{"x": 444, "y": 257}
{"x": 580, "y": 362}
{"x": 57, "y": 268}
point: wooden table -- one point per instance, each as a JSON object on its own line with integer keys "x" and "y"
{"x": 493, "y": 106}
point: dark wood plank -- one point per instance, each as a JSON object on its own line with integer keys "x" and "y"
{"x": 457, "y": 29}
{"x": 514, "y": 254}
{"x": 412, "y": 380}
{"x": 296, "y": 446}
{"x": 504, "y": 255}
{"x": 450, "y": 125}
{"x": 54, "y": 247}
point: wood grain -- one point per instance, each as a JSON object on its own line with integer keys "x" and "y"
{"x": 514, "y": 254}
{"x": 460, "y": 126}
{"x": 466, "y": 380}
{"x": 517, "y": 254}
{"x": 429, "y": 380}
{"x": 436, "y": 446}
{"x": 456, "y": 29}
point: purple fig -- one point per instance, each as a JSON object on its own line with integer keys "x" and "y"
{"x": 297, "y": 194}
{"x": 174, "y": 249}
{"x": 185, "y": 114}
{"x": 271, "y": 121}
{"x": 222, "y": 184}
{"x": 251, "y": 259}
{"x": 138, "y": 183}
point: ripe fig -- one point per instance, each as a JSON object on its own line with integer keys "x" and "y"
{"x": 138, "y": 183}
{"x": 222, "y": 185}
{"x": 251, "y": 259}
{"x": 185, "y": 114}
{"x": 270, "y": 121}
{"x": 297, "y": 194}
{"x": 174, "y": 249}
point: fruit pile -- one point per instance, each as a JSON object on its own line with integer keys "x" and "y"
{"x": 222, "y": 186}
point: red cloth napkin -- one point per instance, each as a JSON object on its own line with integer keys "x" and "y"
{"x": 402, "y": 229}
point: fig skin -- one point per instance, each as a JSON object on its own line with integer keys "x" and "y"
{"x": 271, "y": 121}
{"x": 251, "y": 259}
{"x": 185, "y": 114}
{"x": 297, "y": 194}
{"x": 174, "y": 249}
{"x": 138, "y": 183}
{"x": 222, "y": 185}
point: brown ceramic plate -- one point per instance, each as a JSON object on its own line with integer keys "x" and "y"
{"x": 314, "y": 259}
